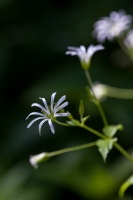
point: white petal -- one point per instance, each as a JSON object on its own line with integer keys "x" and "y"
{"x": 61, "y": 106}
{"x": 62, "y": 114}
{"x": 34, "y": 120}
{"x": 60, "y": 101}
{"x": 40, "y": 125}
{"x": 35, "y": 113}
{"x": 51, "y": 126}
{"x": 40, "y": 106}
{"x": 52, "y": 100}
{"x": 82, "y": 49}
{"x": 92, "y": 49}
{"x": 72, "y": 53}
{"x": 45, "y": 104}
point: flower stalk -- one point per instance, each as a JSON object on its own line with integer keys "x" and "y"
{"x": 70, "y": 149}
{"x": 97, "y": 102}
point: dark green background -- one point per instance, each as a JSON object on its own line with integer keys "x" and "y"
{"x": 34, "y": 36}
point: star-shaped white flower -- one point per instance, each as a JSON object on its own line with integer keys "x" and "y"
{"x": 112, "y": 26}
{"x": 49, "y": 113}
{"x": 84, "y": 54}
{"x": 129, "y": 39}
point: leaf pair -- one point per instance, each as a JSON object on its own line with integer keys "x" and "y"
{"x": 105, "y": 145}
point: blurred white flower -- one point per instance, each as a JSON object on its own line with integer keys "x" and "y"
{"x": 112, "y": 26}
{"x": 129, "y": 39}
{"x": 100, "y": 90}
{"x": 34, "y": 160}
{"x": 49, "y": 113}
{"x": 84, "y": 54}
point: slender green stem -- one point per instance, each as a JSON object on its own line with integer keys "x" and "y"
{"x": 119, "y": 92}
{"x": 85, "y": 127}
{"x": 61, "y": 123}
{"x": 90, "y": 82}
{"x": 102, "y": 114}
{"x": 93, "y": 131}
{"x": 97, "y": 101}
{"x": 123, "y": 152}
{"x": 66, "y": 150}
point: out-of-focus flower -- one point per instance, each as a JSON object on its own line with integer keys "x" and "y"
{"x": 129, "y": 39}
{"x": 112, "y": 26}
{"x": 100, "y": 90}
{"x": 49, "y": 113}
{"x": 84, "y": 54}
{"x": 34, "y": 160}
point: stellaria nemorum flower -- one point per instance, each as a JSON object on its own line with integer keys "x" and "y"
{"x": 84, "y": 54}
{"x": 112, "y": 26}
{"x": 49, "y": 113}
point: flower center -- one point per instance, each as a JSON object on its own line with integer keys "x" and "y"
{"x": 49, "y": 116}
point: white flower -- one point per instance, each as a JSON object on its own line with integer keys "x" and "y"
{"x": 34, "y": 160}
{"x": 112, "y": 26}
{"x": 100, "y": 90}
{"x": 84, "y": 54}
{"x": 49, "y": 113}
{"x": 129, "y": 39}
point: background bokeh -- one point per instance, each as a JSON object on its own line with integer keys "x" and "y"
{"x": 34, "y": 36}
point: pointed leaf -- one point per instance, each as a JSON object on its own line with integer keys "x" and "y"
{"x": 125, "y": 186}
{"x": 104, "y": 146}
{"x": 111, "y": 130}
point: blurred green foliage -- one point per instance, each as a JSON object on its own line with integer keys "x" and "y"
{"x": 33, "y": 38}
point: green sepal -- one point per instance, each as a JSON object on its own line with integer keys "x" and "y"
{"x": 73, "y": 122}
{"x": 84, "y": 119}
{"x": 70, "y": 117}
{"x": 111, "y": 130}
{"x": 125, "y": 186}
{"x": 85, "y": 65}
{"x": 104, "y": 146}
{"x": 81, "y": 108}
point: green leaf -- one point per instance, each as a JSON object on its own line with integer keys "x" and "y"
{"x": 104, "y": 146}
{"x": 111, "y": 130}
{"x": 125, "y": 186}
{"x": 81, "y": 108}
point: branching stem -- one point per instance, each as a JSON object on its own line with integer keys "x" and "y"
{"x": 97, "y": 101}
